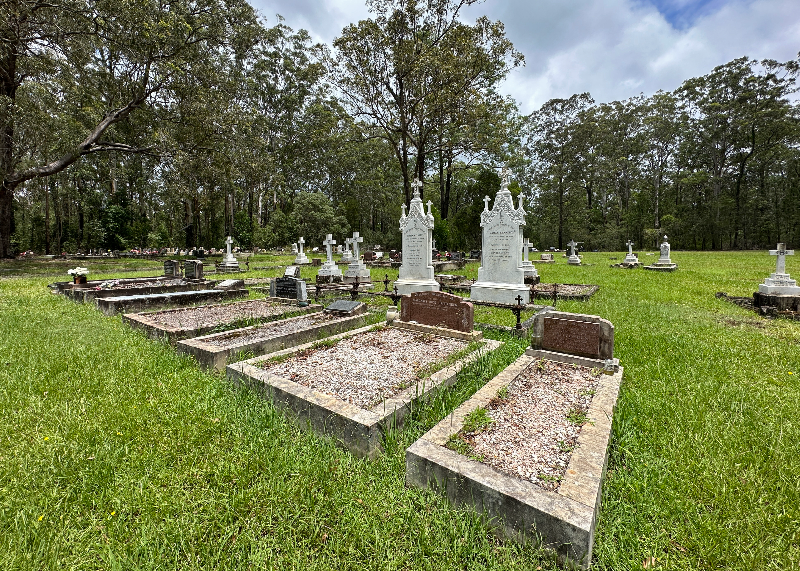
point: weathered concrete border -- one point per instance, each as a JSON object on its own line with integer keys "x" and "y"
{"x": 593, "y": 289}
{"x": 215, "y": 357}
{"x": 129, "y": 303}
{"x": 87, "y": 295}
{"x": 142, "y": 322}
{"x": 358, "y": 430}
{"x": 563, "y": 521}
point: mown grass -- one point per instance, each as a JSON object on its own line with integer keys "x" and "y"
{"x": 117, "y": 453}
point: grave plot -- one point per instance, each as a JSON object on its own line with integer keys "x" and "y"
{"x": 115, "y": 288}
{"x": 215, "y": 351}
{"x": 133, "y": 303}
{"x": 354, "y": 386}
{"x": 529, "y": 449}
{"x": 63, "y": 287}
{"x": 188, "y": 322}
{"x": 580, "y": 292}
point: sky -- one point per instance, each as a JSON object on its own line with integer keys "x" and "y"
{"x": 613, "y": 49}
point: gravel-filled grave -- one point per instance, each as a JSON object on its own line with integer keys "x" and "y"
{"x": 218, "y": 315}
{"x": 565, "y": 291}
{"x": 535, "y": 423}
{"x": 271, "y": 330}
{"x": 369, "y": 367}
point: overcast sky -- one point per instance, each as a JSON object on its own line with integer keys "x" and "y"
{"x": 614, "y": 49}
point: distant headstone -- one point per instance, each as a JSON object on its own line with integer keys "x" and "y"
{"x": 664, "y": 263}
{"x": 456, "y": 256}
{"x": 573, "y": 259}
{"x": 475, "y": 254}
{"x": 301, "y": 257}
{"x": 229, "y": 261}
{"x": 438, "y": 309}
{"x": 316, "y": 261}
{"x": 294, "y": 248}
{"x": 530, "y": 270}
{"x": 172, "y": 268}
{"x": 345, "y": 307}
{"x": 501, "y": 277}
{"x": 416, "y": 271}
{"x": 193, "y": 269}
{"x": 547, "y": 257}
{"x": 574, "y": 334}
{"x": 369, "y": 256}
{"x": 291, "y": 272}
{"x": 357, "y": 270}
{"x": 329, "y": 270}
{"x": 290, "y": 288}
{"x": 347, "y": 255}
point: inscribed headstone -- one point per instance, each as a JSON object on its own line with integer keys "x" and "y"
{"x": 416, "y": 271}
{"x": 438, "y": 309}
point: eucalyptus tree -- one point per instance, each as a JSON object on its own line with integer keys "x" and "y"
{"x": 99, "y": 65}
{"x": 415, "y": 66}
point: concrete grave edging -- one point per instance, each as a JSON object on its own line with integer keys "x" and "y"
{"x": 563, "y": 521}
{"x": 128, "y": 303}
{"x": 358, "y": 430}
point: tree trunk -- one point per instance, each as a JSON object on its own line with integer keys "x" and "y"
{"x": 47, "y": 219}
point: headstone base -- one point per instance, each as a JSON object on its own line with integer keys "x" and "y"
{"x": 407, "y": 287}
{"x": 781, "y": 302}
{"x": 499, "y": 292}
{"x": 357, "y": 271}
{"x": 330, "y": 270}
{"x": 227, "y": 267}
{"x": 301, "y": 259}
{"x": 660, "y": 266}
{"x": 779, "y": 284}
{"x": 574, "y": 261}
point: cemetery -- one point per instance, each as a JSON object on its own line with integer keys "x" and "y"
{"x": 341, "y": 287}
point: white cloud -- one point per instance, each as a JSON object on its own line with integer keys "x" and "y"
{"x": 613, "y": 49}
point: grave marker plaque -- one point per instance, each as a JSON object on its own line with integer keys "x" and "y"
{"x": 289, "y": 288}
{"x": 438, "y": 309}
{"x": 193, "y": 269}
{"x": 573, "y": 337}
{"x": 172, "y": 268}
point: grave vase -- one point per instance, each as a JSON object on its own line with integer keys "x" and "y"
{"x": 79, "y": 279}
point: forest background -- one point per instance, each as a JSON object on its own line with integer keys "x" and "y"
{"x": 147, "y": 124}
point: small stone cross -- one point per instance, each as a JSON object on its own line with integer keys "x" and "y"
{"x": 629, "y": 244}
{"x": 300, "y": 243}
{"x": 355, "y": 241}
{"x": 329, "y": 243}
{"x": 781, "y": 252}
{"x": 505, "y": 176}
{"x": 526, "y": 248}
{"x": 429, "y": 203}
{"x": 486, "y": 200}
{"x": 572, "y": 244}
{"x": 347, "y": 242}
{"x": 416, "y": 185}
{"x": 228, "y": 241}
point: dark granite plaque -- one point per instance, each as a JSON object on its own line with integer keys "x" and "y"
{"x": 193, "y": 269}
{"x": 438, "y": 309}
{"x": 369, "y": 256}
{"x": 290, "y": 288}
{"x": 571, "y": 336}
{"x": 172, "y": 268}
{"x": 345, "y": 307}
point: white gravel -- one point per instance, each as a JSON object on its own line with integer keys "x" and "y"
{"x": 530, "y": 436}
{"x": 212, "y": 315}
{"x": 366, "y": 368}
{"x": 271, "y": 330}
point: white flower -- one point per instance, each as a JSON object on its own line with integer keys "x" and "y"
{"x": 79, "y": 271}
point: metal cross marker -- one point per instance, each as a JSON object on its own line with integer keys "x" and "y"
{"x": 386, "y": 283}
{"x": 329, "y": 243}
{"x": 517, "y": 310}
{"x": 417, "y": 186}
{"x": 781, "y": 252}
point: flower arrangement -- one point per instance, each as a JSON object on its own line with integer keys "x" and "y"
{"x": 79, "y": 271}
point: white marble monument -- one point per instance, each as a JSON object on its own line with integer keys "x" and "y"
{"x": 573, "y": 259}
{"x": 501, "y": 277}
{"x": 527, "y": 265}
{"x": 301, "y": 257}
{"x": 229, "y": 261}
{"x": 357, "y": 270}
{"x": 329, "y": 268}
{"x": 416, "y": 271}
{"x": 347, "y": 255}
{"x": 294, "y": 248}
{"x": 631, "y": 258}
{"x": 779, "y": 282}
{"x": 664, "y": 263}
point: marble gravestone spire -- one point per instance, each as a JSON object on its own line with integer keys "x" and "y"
{"x": 501, "y": 277}
{"x": 416, "y": 271}
{"x": 329, "y": 268}
{"x": 664, "y": 263}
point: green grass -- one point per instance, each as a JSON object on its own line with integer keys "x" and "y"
{"x": 117, "y": 453}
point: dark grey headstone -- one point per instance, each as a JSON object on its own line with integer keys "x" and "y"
{"x": 289, "y": 288}
{"x": 345, "y": 307}
{"x": 193, "y": 269}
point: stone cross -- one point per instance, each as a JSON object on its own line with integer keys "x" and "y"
{"x": 486, "y": 202}
{"x": 504, "y": 176}
{"x": 572, "y": 244}
{"x": 228, "y": 241}
{"x": 416, "y": 185}
{"x": 329, "y": 243}
{"x": 403, "y": 206}
{"x": 526, "y": 248}
{"x": 781, "y": 252}
{"x": 355, "y": 241}
{"x": 429, "y": 203}
{"x": 300, "y": 243}
{"x": 629, "y": 244}
{"x": 347, "y": 242}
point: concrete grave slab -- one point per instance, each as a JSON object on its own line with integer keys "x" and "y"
{"x": 562, "y": 520}
{"x": 359, "y": 430}
{"x": 133, "y": 303}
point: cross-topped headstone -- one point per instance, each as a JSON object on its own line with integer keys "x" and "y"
{"x": 505, "y": 176}
{"x": 229, "y": 242}
{"x": 526, "y": 246}
{"x": 781, "y": 252}
{"x": 356, "y": 240}
{"x": 572, "y": 244}
{"x": 329, "y": 244}
{"x": 300, "y": 243}
{"x": 486, "y": 200}
{"x": 629, "y": 244}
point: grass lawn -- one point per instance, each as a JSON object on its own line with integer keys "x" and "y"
{"x": 115, "y": 453}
